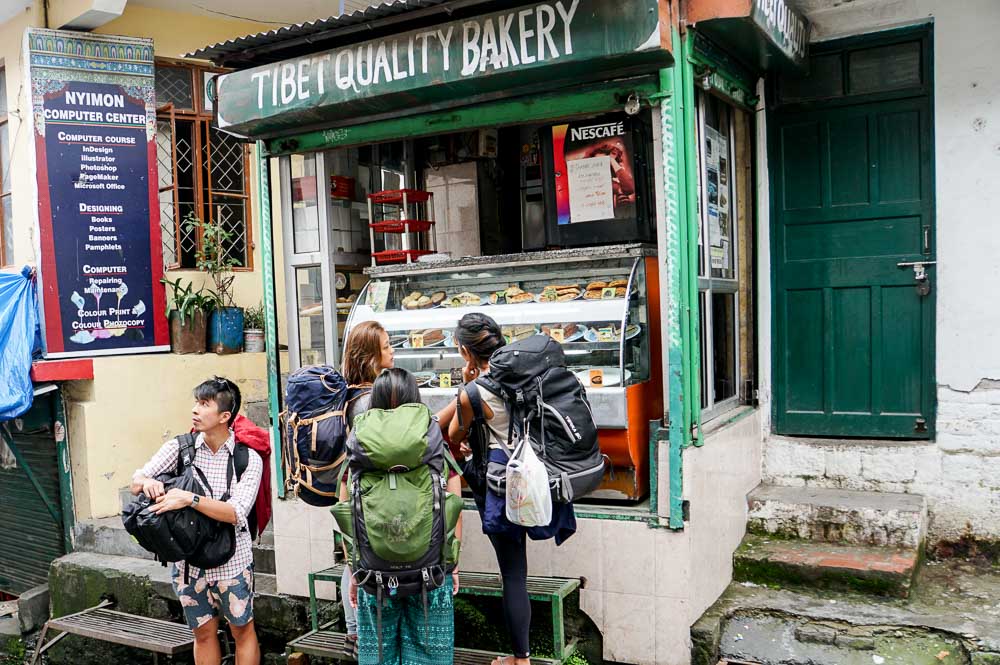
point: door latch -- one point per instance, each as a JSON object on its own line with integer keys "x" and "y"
{"x": 923, "y": 285}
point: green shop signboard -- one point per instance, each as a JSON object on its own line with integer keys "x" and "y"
{"x": 784, "y": 26}
{"x": 453, "y": 63}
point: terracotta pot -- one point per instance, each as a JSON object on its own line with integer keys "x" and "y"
{"x": 188, "y": 335}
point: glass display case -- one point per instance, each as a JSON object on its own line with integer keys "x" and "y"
{"x": 595, "y": 302}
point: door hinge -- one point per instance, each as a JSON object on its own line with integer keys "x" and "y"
{"x": 920, "y": 426}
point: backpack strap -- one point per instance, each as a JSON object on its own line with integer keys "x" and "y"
{"x": 241, "y": 458}
{"x": 360, "y": 391}
{"x": 185, "y": 452}
{"x": 450, "y": 459}
{"x": 230, "y": 472}
{"x": 475, "y": 401}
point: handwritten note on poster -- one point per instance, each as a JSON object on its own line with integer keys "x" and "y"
{"x": 590, "y": 194}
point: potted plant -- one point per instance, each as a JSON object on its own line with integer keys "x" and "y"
{"x": 253, "y": 329}
{"x": 225, "y": 323}
{"x": 188, "y": 316}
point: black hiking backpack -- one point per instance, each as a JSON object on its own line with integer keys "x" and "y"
{"x": 547, "y": 404}
{"x": 314, "y": 432}
{"x": 185, "y": 534}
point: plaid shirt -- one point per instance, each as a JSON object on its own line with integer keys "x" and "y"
{"x": 242, "y": 496}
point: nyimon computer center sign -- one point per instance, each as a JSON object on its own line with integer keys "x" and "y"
{"x": 94, "y": 122}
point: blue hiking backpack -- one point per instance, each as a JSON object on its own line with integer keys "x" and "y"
{"x": 314, "y": 432}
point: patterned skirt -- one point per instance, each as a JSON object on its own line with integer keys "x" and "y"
{"x": 408, "y": 637}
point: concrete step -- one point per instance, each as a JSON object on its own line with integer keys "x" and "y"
{"x": 847, "y": 517}
{"x": 951, "y": 617}
{"x": 10, "y": 627}
{"x": 141, "y": 586}
{"x": 879, "y": 571}
{"x": 263, "y": 559}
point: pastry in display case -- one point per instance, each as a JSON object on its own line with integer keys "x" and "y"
{"x": 601, "y": 304}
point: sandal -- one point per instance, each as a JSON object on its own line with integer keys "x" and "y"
{"x": 351, "y": 646}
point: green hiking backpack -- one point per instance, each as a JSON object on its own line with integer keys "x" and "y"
{"x": 400, "y": 520}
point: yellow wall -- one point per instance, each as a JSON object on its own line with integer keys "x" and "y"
{"x": 174, "y": 34}
{"x": 177, "y": 33}
{"x": 18, "y": 164}
{"x": 134, "y": 404}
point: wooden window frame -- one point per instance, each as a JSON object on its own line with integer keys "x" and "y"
{"x": 204, "y": 194}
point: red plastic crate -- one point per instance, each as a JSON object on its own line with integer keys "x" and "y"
{"x": 395, "y": 196}
{"x": 398, "y": 255}
{"x": 396, "y": 226}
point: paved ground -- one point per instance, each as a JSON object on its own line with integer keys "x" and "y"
{"x": 951, "y": 617}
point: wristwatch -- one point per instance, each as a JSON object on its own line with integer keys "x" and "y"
{"x": 194, "y": 501}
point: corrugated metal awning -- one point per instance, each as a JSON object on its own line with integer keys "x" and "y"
{"x": 274, "y": 45}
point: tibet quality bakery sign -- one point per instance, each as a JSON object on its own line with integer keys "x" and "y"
{"x": 93, "y": 104}
{"x": 532, "y": 44}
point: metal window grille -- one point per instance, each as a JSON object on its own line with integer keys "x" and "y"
{"x": 204, "y": 171}
{"x": 175, "y": 85}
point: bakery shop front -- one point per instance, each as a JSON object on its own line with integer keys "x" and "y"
{"x": 578, "y": 168}
{"x": 498, "y": 162}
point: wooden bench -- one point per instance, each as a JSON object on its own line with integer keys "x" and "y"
{"x": 552, "y": 590}
{"x": 328, "y": 643}
{"x": 101, "y": 623}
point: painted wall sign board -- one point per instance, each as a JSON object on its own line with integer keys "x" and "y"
{"x": 94, "y": 115}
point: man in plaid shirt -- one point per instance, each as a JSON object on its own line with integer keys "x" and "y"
{"x": 229, "y": 588}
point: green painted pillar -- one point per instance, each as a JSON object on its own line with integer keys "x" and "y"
{"x": 676, "y": 332}
{"x": 689, "y": 137}
{"x": 266, "y": 234}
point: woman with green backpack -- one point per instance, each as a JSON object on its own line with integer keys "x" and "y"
{"x": 403, "y": 522}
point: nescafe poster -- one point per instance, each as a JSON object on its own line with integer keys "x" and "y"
{"x": 594, "y": 170}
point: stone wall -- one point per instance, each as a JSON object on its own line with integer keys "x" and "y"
{"x": 957, "y": 473}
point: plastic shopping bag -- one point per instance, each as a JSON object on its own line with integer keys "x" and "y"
{"x": 529, "y": 501}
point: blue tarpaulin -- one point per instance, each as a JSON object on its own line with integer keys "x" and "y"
{"x": 19, "y": 340}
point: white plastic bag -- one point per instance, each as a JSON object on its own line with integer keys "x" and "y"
{"x": 529, "y": 501}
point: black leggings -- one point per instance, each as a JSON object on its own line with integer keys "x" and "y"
{"x": 512, "y": 556}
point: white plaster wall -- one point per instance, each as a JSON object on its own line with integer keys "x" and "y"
{"x": 967, "y": 155}
{"x": 717, "y": 478}
{"x": 644, "y": 586}
{"x": 953, "y": 472}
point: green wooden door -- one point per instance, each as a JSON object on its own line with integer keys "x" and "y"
{"x": 31, "y": 519}
{"x": 852, "y": 199}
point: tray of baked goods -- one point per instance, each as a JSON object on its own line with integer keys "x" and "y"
{"x": 421, "y": 338}
{"x": 515, "y": 294}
